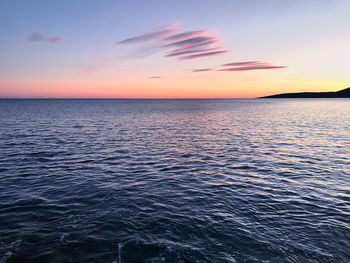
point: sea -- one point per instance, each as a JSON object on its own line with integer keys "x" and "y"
{"x": 183, "y": 180}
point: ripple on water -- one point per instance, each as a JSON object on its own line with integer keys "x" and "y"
{"x": 174, "y": 181}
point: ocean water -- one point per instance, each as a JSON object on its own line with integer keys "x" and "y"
{"x": 264, "y": 180}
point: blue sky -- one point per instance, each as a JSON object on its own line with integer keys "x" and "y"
{"x": 310, "y": 38}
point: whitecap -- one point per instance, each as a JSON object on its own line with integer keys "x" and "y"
{"x": 119, "y": 257}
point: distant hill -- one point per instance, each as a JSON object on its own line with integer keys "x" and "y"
{"x": 345, "y": 93}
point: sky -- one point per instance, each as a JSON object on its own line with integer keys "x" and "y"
{"x": 172, "y": 49}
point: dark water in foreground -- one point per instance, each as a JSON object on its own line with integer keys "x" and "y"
{"x": 175, "y": 180}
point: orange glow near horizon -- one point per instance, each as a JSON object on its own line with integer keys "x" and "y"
{"x": 167, "y": 87}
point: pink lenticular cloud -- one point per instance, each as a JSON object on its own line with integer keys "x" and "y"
{"x": 185, "y": 51}
{"x": 39, "y": 37}
{"x": 203, "y": 44}
{"x": 152, "y": 36}
{"x": 156, "y": 77}
{"x": 245, "y": 63}
{"x": 242, "y": 66}
{"x": 199, "y": 43}
{"x": 191, "y": 41}
{"x": 186, "y": 35}
{"x": 249, "y": 65}
{"x": 202, "y": 70}
{"x": 206, "y": 54}
{"x": 252, "y": 68}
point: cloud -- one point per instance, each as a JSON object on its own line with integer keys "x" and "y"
{"x": 249, "y": 65}
{"x": 252, "y": 68}
{"x": 55, "y": 39}
{"x": 156, "y": 77}
{"x": 39, "y": 37}
{"x": 179, "y": 52}
{"x": 186, "y": 35}
{"x": 152, "y": 36}
{"x": 205, "y": 44}
{"x": 234, "y": 64}
{"x": 206, "y": 54}
{"x": 241, "y": 66}
{"x": 193, "y": 41}
{"x": 198, "y": 43}
{"x": 36, "y": 37}
{"x": 201, "y": 70}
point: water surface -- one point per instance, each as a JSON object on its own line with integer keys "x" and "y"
{"x": 175, "y": 180}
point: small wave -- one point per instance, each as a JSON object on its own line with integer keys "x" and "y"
{"x": 171, "y": 168}
{"x": 42, "y": 154}
{"x": 63, "y": 236}
{"x": 16, "y": 243}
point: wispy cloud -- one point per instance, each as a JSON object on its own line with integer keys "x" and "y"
{"x": 174, "y": 43}
{"x": 199, "y": 43}
{"x": 55, "y": 39}
{"x": 193, "y": 41}
{"x": 206, "y": 54}
{"x": 180, "y": 52}
{"x": 201, "y": 70}
{"x": 152, "y": 36}
{"x": 186, "y": 35}
{"x": 249, "y": 65}
{"x": 245, "y": 63}
{"x": 252, "y": 68}
{"x": 39, "y": 37}
{"x": 241, "y": 66}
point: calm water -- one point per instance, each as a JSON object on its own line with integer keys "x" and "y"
{"x": 175, "y": 180}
